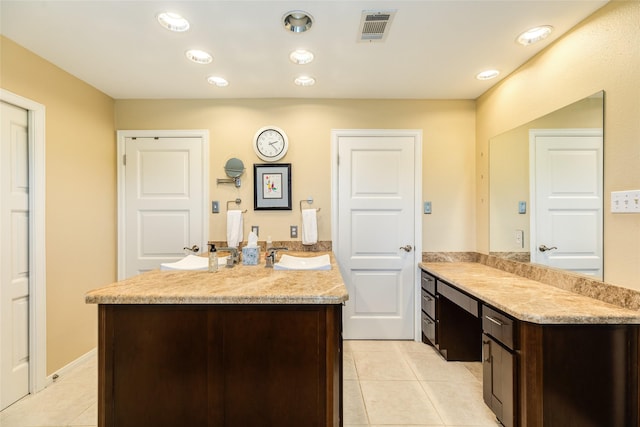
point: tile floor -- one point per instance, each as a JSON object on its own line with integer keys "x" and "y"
{"x": 386, "y": 383}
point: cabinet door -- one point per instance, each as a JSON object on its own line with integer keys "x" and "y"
{"x": 498, "y": 380}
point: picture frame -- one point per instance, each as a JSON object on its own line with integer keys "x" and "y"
{"x": 272, "y": 186}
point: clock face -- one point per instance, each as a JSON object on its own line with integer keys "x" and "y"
{"x": 270, "y": 143}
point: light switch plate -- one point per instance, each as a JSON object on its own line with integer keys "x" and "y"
{"x": 522, "y": 207}
{"x": 427, "y": 207}
{"x": 625, "y": 201}
{"x": 215, "y": 206}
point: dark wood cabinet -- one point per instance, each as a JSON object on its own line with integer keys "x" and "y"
{"x": 450, "y": 320}
{"x": 578, "y": 375}
{"x": 499, "y": 364}
{"x": 542, "y": 375}
{"x": 429, "y": 307}
{"x": 205, "y": 365}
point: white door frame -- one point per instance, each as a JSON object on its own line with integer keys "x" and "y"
{"x": 37, "y": 248}
{"x": 417, "y": 252}
{"x": 122, "y": 135}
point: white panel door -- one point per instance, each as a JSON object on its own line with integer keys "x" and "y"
{"x": 14, "y": 255}
{"x": 375, "y": 221}
{"x": 164, "y": 203}
{"x": 567, "y": 199}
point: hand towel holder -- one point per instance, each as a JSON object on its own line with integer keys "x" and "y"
{"x": 309, "y": 201}
{"x": 237, "y": 202}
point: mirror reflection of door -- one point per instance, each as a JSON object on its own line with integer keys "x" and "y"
{"x": 566, "y": 199}
{"x": 510, "y": 179}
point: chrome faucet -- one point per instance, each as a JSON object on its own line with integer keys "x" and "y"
{"x": 234, "y": 256}
{"x": 272, "y": 253}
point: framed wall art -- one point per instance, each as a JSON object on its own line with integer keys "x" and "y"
{"x": 272, "y": 186}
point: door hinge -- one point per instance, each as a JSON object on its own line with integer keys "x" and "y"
{"x": 124, "y": 159}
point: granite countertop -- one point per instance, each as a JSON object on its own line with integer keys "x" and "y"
{"x": 242, "y": 284}
{"x": 526, "y": 299}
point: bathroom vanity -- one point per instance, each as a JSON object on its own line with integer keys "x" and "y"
{"x": 246, "y": 346}
{"x": 550, "y": 357}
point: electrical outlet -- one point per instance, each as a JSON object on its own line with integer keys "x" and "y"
{"x": 294, "y": 231}
{"x": 520, "y": 238}
{"x": 255, "y": 229}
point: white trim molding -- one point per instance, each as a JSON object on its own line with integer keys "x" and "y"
{"x": 37, "y": 247}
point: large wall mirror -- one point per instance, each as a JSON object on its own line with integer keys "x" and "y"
{"x": 546, "y": 189}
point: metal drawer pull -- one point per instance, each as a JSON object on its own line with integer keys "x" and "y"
{"x": 428, "y": 298}
{"x": 484, "y": 344}
{"x": 493, "y": 320}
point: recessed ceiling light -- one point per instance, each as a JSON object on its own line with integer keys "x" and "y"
{"x": 301, "y": 56}
{"x": 534, "y": 35}
{"x": 487, "y": 74}
{"x": 297, "y": 21}
{"x": 217, "y": 81}
{"x": 173, "y": 22}
{"x": 305, "y": 81}
{"x": 199, "y": 56}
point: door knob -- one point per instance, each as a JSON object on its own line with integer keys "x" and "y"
{"x": 406, "y": 248}
{"x": 195, "y": 249}
{"x": 543, "y": 248}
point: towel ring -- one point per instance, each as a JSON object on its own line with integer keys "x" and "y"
{"x": 237, "y": 202}
{"x": 309, "y": 201}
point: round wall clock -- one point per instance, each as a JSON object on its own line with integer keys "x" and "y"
{"x": 270, "y": 143}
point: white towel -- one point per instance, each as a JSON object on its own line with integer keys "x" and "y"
{"x": 309, "y": 227}
{"x": 234, "y": 228}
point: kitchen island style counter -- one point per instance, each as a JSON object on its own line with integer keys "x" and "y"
{"x": 242, "y": 284}
{"x": 243, "y": 346}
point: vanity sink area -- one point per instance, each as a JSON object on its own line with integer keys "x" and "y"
{"x": 291, "y": 262}
{"x": 191, "y": 263}
{"x": 242, "y": 334}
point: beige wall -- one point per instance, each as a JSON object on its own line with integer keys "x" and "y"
{"x": 602, "y": 53}
{"x": 448, "y": 154}
{"x": 80, "y": 196}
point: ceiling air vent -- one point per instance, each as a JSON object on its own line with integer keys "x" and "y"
{"x": 374, "y": 25}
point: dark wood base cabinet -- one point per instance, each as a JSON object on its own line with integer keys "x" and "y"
{"x": 578, "y": 375}
{"x": 211, "y": 365}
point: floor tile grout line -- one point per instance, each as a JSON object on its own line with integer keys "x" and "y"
{"x": 364, "y": 404}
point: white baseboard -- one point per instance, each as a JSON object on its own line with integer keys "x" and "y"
{"x": 70, "y": 366}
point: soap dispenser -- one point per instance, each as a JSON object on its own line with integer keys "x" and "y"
{"x": 213, "y": 258}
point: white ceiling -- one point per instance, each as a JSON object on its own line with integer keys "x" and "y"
{"x": 433, "y": 49}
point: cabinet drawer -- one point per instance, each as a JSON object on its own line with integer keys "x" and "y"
{"x": 429, "y": 328}
{"x": 429, "y": 304}
{"x": 463, "y": 300}
{"x": 428, "y": 283}
{"x": 498, "y": 325}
